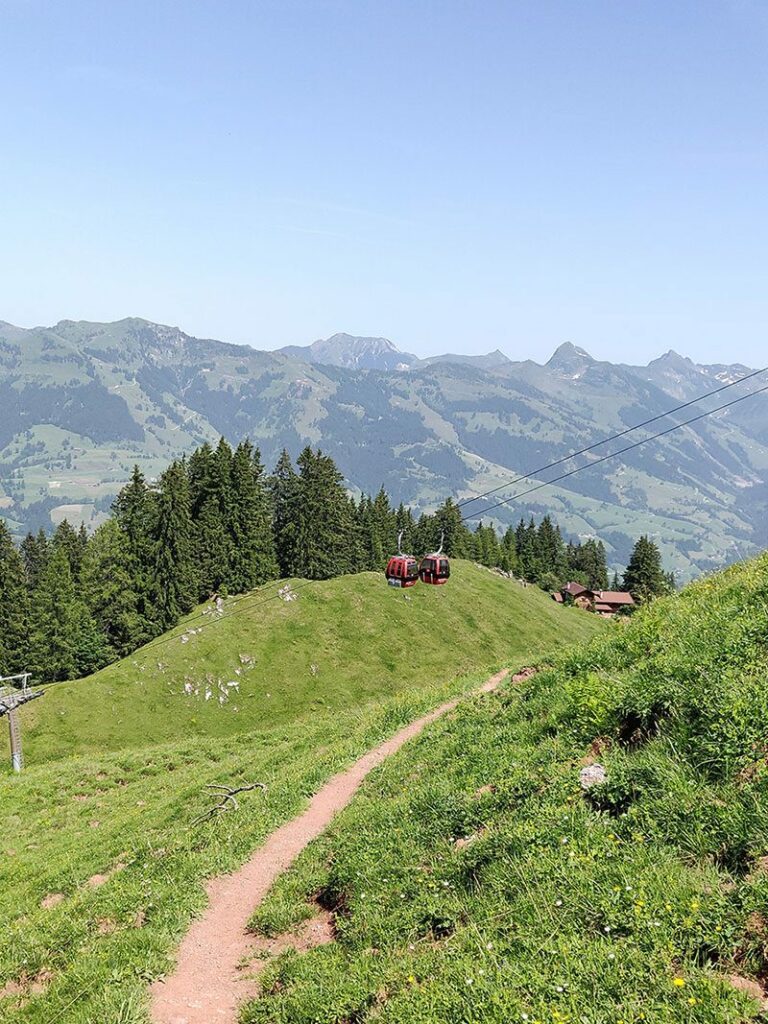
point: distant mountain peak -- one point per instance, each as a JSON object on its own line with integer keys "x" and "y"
{"x": 673, "y": 359}
{"x": 569, "y": 358}
{"x": 352, "y": 353}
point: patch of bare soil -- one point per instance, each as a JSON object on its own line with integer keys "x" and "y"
{"x": 24, "y": 987}
{"x": 751, "y": 988}
{"x": 207, "y": 985}
{"x": 53, "y": 899}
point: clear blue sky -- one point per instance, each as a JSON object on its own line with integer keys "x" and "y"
{"x": 451, "y": 175}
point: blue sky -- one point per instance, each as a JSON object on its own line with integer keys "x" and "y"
{"x": 451, "y": 175}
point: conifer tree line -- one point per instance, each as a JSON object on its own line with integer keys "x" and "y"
{"x": 215, "y": 524}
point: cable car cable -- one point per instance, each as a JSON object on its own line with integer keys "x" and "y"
{"x": 613, "y": 455}
{"x": 612, "y": 437}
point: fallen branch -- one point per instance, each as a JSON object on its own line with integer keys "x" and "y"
{"x": 227, "y": 799}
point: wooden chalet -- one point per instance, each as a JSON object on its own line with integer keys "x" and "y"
{"x": 602, "y": 602}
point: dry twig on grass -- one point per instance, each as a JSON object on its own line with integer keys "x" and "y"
{"x": 227, "y": 798}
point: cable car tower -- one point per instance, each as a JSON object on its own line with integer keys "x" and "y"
{"x": 15, "y": 691}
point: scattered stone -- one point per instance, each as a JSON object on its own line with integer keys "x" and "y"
{"x": 592, "y": 775}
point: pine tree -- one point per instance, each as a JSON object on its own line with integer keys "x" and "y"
{"x": 284, "y": 496}
{"x": 444, "y": 525}
{"x": 14, "y": 607}
{"x": 173, "y": 579}
{"x": 376, "y": 531}
{"x": 55, "y": 621}
{"x": 322, "y": 519}
{"x": 72, "y": 543}
{"x": 550, "y": 561}
{"x": 134, "y": 510}
{"x": 587, "y": 564}
{"x": 210, "y": 493}
{"x": 645, "y": 577}
{"x": 525, "y": 536}
{"x": 108, "y": 589}
{"x": 34, "y": 552}
{"x": 252, "y": 548}
{"x": 201, "y": 474}
{"x": 509, "y": 562}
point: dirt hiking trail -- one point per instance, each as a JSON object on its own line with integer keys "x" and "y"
{"x": 208, "y": 983}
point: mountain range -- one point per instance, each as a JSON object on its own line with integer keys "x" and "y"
{"x": 81, "y": 402}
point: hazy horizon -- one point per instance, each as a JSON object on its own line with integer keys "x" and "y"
{"x": 451, "y": 177}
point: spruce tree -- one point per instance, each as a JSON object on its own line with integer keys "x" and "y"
{"x": 34, "y": 552}
{"x": 525, "y": 536}
{"x": 134, "y": 510}
{"x": 322, "y": 519}
{"x": 447, "y": 525}
{"x": 14, "y": 607}
{"x": 252, "y": 548}
{"x": 55, "y": 621}
{"x": 509, "y": 562}
{"x": 72, "y": 543}
{"x": 587, "y": 564}
{"x": 107, "y": 587}
{"x": 645, "y": 577}
{"x": 173, "y": 579}
{"x": 284, "y": 496}
{"x": 210, "y": 493}
{"x": 550, "y": 559}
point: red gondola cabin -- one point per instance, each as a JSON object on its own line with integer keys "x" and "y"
{"x": 402, "y": 571}
{"x": 434, "y": 569}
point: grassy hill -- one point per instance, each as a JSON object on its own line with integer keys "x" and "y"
{"x": 267, "y": 661}
{"x": 475, "y": 880}
{"x": 102, "y": 853}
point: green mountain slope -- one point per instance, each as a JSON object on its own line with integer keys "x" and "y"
{"x": 102, "y": 855}
{"x": 81, "y": 402}
{"x": 266, "y": 661}
{"x": 476, "y": 880}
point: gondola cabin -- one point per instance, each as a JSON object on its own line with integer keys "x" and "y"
{"x": 402, "y": 571}
{"x": 434, "y": 569}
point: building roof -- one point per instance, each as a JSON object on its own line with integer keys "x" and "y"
{"x": 613, "y": 597}
{"x": 574, "y": 589}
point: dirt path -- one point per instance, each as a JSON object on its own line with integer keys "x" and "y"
{"x": 206, "y": 986}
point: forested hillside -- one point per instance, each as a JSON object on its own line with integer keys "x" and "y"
{"x": 81, "y": 403}
{"x": 215, "y": 525}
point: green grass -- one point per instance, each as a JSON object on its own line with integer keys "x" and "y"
{"x": 634, "y": 902}
{"x": 129, "y": 813}
{"x": 340, "y": 643}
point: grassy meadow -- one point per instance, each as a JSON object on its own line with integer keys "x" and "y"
{"x": 266, "y": 661}
{"x": 102, "y": 858}
{"x": 476, "y": 882}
